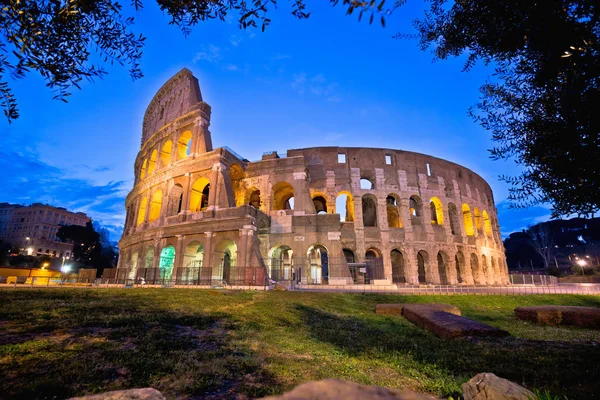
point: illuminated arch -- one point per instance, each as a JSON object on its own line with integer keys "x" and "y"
{"x": 167, "y": 260}
{"x": 320, "y": 204}
{"x": 416, "y": 206}
{"x": 468, "y": 220}
{"x": 393, "y": 211}
{"x": 318, "y": 263}
{"x": 184, "y": 145}
{"x": 280, "y": 263}
{"x": 142, "y": 211}
{"x": 344, "y": 206}
{"x": 477, "y": 216}
{"x": 165, "y": 153}
{"x": 193, "y": 255}
{"x": 437, "y": 211}
{"x": 175, "y": 200}
{"x": 155, "y": 206}
{"x": 199, "y": 194}
{"x": 487, "y": 224}
{"x": 133, "y": 265}
{"x": 225, "y": 258}
{"x": 253, "y": 197}
{"x": 143, "y": 169}
{"x": 283, "y": 196}
{"x": 152, "y": 162}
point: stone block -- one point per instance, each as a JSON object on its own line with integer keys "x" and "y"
{"x": 447, "y": 325}
{"x": 131, "y": 394}
{"x": 334, "y": 389}
{"x": 583, "y": 317}
{"x": 397, "y": 309}
{"x": 389, "y": 309}
{"x": 488, "y": 386}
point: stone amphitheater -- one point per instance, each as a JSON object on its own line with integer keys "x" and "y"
{"x": 314, "y": 216}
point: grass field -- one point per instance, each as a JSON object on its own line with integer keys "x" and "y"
{"x": 56, "y": 343}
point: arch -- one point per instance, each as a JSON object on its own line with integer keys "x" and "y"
{"x": 193, "y": 255}
{"x": 366, "y": 183}
{"x": 372, "y": 253}
{"x": 320, "y": 204}
{"x": 468, "y": 220}
{"x": 344, "y": 206}
{"x": 398, "y": 274}
{"x": 167, "y": 259}
{"x": 149, "y": 258}
{"x": 253, "y": 197}
{"x": 175, "y": 200}
{"x": 142, "y": 211}
{"x": 477, "y": 216}
{"x": 133, "y": 264}
{"x": 155, "y": 206}
{"x": 416, "y": 206}
{"x": 487, "y": 224}
{"x": 165, "y": 153}
{"x": 422, "y": 262}
{"x": 184, "y": 145}
{"x": 152, "y": 162}
{"x": 477, "y": 278}
{"x": 236, "y": 172}
{"x": 283, "y": 196}
{"x": 393, "y": 211}
{"x": 459, "y": 262}
{"x": 225, "y": 259}
{"x": 349, "y": 256}
{"x": 442, "y": 263}
{"x": 369, "y": 209}
{"x": 280, "y": 265}
{"x": 437, "y": 211}
{"x": 143, "y": 169}
{"x": 453, "y": 217}
{"x": 318, "y": 263}
{"x": 199, "y": 195}
{"x": 484, "y": 269}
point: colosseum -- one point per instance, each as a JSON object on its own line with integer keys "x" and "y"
{"x": 314, "y": 216}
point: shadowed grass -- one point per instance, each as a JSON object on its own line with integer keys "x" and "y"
{"x": 195, "y": 343}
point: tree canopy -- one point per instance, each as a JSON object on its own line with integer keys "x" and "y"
{"x": 88, "y": 248}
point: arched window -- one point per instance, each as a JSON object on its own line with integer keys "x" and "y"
{"x": 155, "y": 206}
{"x": 369, "y": 209}
{"x": 349, "y": 255}
{"x": 152, "y": 162}
{"x": 442, "y": 265}
{"x": 477, "y": 216}
{"x": 487, "y": 224}
{"x": 175, "y": 200}
{"x": 165, "y": 153}
{"x": 437, "y": 211}
{"x": 454, "y": 222}
{"x": 184, "y": 145}
{"x": 422, "y": 260}
{"x": 280, "y": 263}
{"x": 468, "y": 220}
{"x": 344, "y": 206}
{"x": 193, "y": 255}
{"x": 254, "y": 198}
{"x": 398, "y": 275}
{"x": 416, "y": 206}
{"x": 143, "y": 169}
{"x": 320, "y": 204}
{"x": 318, "y": 264}
{"x": 199, "y": 195}
{"x": 142, "y": 211}
{"x": 149, "y": 258}
{"x": 283, "y": 196}
{"x": 225, "y": 260}
{"x": 393, "y": 211}
{"x": 366, "y": 184}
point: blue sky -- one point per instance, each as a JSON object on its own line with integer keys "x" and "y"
{"x": 325, "y": 81}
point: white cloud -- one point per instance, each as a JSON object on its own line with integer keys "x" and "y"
{"x": 211, "y": 54}
{"x": 235, "y": 40}
{"x": 316, "y": 85}
{"x": 281, "y": 56}
{"x": 231, "y": 67}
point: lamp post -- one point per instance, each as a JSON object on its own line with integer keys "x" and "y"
{"x": 582, "y": 264}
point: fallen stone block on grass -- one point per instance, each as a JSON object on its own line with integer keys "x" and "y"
{"x": 448, "y": 325}
{"x": 488, "y": 386}
{"x": 131, "y": 394}
{"x": 397, "y": 309}
{"x": 583, "y": 317}
{"x": 334, "y": 389}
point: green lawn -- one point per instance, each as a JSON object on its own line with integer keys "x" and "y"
{"x": 56, "y": 343}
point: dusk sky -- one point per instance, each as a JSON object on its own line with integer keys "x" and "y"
{"x": 325, "y": 81}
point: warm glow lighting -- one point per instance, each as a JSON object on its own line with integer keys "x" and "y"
{"x": 581, "y": 263}
{"x": 65, "y": 268}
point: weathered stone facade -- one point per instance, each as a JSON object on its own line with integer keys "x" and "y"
{"x": 320, "y": 215}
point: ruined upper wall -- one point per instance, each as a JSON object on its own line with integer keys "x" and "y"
{"x": 180, "y": 95}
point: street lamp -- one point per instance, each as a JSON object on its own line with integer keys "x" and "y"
{"x": 582, "y": 264}
{"x": 45, "y": 265}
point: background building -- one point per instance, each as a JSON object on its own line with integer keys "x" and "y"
{"x": 33, "y": 229}
{"x": 6, "y": 210}
{"x": 324, "y": 215}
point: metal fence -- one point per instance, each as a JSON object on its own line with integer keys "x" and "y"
{"x": 194, "y": 275}
{"x": 538, "y": 280}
